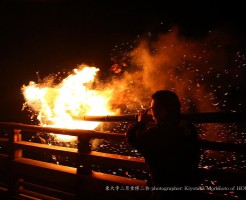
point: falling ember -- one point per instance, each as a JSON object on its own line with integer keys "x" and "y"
{"x": 76, "y": 96}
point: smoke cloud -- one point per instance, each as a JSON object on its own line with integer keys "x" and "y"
{"x": 198, "y": 70}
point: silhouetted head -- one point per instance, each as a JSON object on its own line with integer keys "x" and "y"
{"x": 165, "y": 106}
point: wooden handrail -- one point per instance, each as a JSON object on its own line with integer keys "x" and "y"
{"x": 67, "y": 180}
{"x": 92, "y": 157}
{"x": 63, "y": 131}
{"x": 222, "y": 146}
{"x": 28, "y": 167}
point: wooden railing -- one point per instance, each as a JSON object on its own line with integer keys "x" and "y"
{"x": 32, "y": 178}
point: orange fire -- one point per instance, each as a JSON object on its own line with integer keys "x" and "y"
{"x": 58, "y": 105}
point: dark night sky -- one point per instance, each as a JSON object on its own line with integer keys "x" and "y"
{"x": 48, "y": 36}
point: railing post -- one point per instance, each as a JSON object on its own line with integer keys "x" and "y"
{"x": 83, "y": 167}
{"x": 13, "y": 154}
{"x": 83, "y": 147}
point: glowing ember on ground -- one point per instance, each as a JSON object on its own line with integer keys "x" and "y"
{"x": 76, "y": 96}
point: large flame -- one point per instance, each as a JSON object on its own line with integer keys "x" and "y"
{"x": 58, "y": 105}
